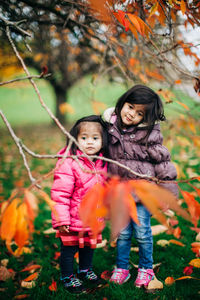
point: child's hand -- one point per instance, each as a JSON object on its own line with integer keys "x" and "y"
{"x": 63, "y": 228}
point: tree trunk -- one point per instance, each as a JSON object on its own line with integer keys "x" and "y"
{"x": 60, "y": 94}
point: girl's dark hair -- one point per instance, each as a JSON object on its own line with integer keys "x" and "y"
{"x": 76, "y": 129}
{"x": 141, "y": 94}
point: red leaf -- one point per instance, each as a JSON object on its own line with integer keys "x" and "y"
{"x": 53, "y": 286}
{"x": 193, "y": 207}
{"x": 106, "y": 275}
{"x": 188, "y": 270}
{"x": 57, "y": 255}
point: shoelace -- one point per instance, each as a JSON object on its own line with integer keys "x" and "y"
{"x": 117, "y": 275}
{"x": 74, "y": 282}
{"x": 91, "y": 275}
{"x": 142, "y": 274}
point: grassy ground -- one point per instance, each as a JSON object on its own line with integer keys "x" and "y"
{"x": 21, "y": 109}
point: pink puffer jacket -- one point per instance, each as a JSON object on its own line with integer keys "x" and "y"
{"x": 70, "y": 185}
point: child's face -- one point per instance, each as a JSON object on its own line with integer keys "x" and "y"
{"x": 89, "y": 138}
{"x": 132, "y": 114}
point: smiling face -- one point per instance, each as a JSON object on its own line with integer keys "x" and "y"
{"x": 90, "y": 138}
{"x": 132, "y": 114}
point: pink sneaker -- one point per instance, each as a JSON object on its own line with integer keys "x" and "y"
{"x": 120, "y": 276}
{"x": 144, "y": 276}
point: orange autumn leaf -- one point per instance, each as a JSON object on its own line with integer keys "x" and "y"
{"x": 100, "y": 10}
{"x": 177, "y": 232}
{"x": 169, "y": 280}
{"x": 139, "y": 25}
{"x": 22, "y": 234}
{"x": 89, "y": 209}
{"x": 176, "y": 243}
{"x": 30, "y": 268}
{"x": 31, "y": 277}
{"x": 53, "y": 286}
{"x": 8, "y": 222}
{"x": 195, "y": 262}
{"x": 21, "y": 296}
{"x": 193, "y": 206}
{"x": 183, "y": 6}
{"x": 121, "y": 17}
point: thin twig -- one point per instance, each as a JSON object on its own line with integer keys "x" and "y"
{"x": 17, "y": 142}
{"x": 24, "y": 78}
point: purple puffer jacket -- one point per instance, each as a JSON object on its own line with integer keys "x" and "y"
{"x": 127, "y": 149}
{"x": 70, "y": 185}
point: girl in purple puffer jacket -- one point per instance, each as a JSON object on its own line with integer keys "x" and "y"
{"x": 72, "y": 180}
{"x": 135, "y": 140}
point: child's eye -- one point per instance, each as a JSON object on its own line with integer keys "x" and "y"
{"x": 95, "y": 138}
{"x": 83, "y": 138}
{"x": 140, "y": 114}
{"x": 131, "y": 106}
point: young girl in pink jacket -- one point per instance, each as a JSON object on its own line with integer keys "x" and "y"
{"x": 72, "y": 180}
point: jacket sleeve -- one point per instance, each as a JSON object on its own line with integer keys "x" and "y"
{"x": 164, "y": 168}
{"x": 61, "y": 193}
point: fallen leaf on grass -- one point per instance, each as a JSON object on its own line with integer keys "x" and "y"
{"x": 195, "y": 262}
{"x": 53, "y": 286}
{"x": 106, "y": 275}
{"x": 102, "y": 244}
{"x": 57, "y": 255}
{"x": 176, "y": 243}
{"x": 49, "y": 231}
{"x": 76, "y": 256}
{"x": 198, "y": 237}
{"x": 155, "y": 284}
{"x": 157, "y": 229}
{"x": 188, "y": 270}
{"x": 4, "y": 262}
{"x": 28, "y": 285}
{"x": 163, "y": 243}
{"x": 21, "y": 296}
{"x": 169, "y": 280}
{"x": 6, "y": 274}
{"x": 31, "y": 277}
{"x": 135, "y": 249}
{"x": 30, "y": 268}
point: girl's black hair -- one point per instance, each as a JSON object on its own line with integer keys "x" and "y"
{"x": 141, "y": 94}
{"x": 76, "y": 129}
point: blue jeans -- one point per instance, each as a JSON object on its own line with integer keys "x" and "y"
{"x": 143, "y": 236}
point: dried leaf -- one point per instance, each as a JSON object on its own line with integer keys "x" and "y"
{"x": 162, "y": 243}
{"x": 31, "y": 277}
{"x": 53, "y": 286}
{"x": 169, "y": 280}
{"x": 9, "y": 220}
{"x": 177, "y": 232}
{"x": 102, "y": 244}
{"x": 5, "y": 274}
{"x": 92, "y": 209}
{"x": 188, "y": 270}
{"x": 106, "y": 275}
{"x": 21, "y": 296}
{"x": 176, "y": 243}
{"x": 30, "y": 268}
{"x": 183, "y": 6}
{"x": 28, "y": 285}
{"x": 155, "y": 284}
{"x": 49, "y": 231}
{"x": 22, "y": 234}
{"x": 195, "y": 262}
{"x": 193, "y": 206}
{"x": 158, "y": 229}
